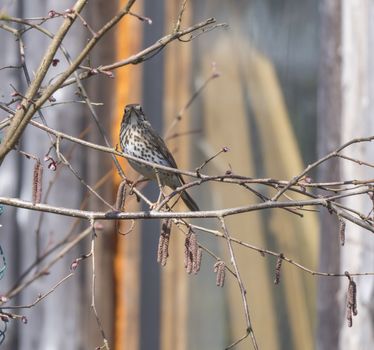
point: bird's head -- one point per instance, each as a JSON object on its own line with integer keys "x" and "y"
{"x": 133, "y": 113}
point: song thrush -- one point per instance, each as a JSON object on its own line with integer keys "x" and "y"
{"x": 139, "y": 139}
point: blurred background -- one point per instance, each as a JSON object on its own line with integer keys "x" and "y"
{"x": 294, "y": 83}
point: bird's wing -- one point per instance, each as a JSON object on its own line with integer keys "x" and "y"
{"x": 157, "y": 142}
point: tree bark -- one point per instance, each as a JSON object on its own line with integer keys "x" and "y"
{"x": 357, "y": 121}
{"x": 328, "y": 138}
{"x": 62, "y": 320}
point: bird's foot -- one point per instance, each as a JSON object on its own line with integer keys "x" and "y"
{"x": 160, "y": 198}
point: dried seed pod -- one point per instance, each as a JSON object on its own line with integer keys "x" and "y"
{"x": 342, "y": 231}
{"x": 197, "y": 262}
{"x": 37, "y": 183}
{"x": 188, "y": 262}
{"x": 351, "y": 300}
{"x": 186, "y": 250}
{"x": 121, "y": 196}
{"x": 349, "y": 317}
{"x": 160, "y": 248}
{"x": 352, "y": 296}
{"x": 193, "y": 245}
{"x": 219, "y": 269}
{"x": 163, "y": 243}
{"x": 188, "y": 258}
{"x": 191, "y": 248}
{"x": 278, "y": 268}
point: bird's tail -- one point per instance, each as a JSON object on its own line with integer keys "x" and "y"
{"x": 187, "y": 199}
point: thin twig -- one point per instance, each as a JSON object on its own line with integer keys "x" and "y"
{"x": 218, "y": 178}
{"x": 243, "y": 291}
{"x": 93, "y": 299}
{"x": 27, "y": 110}
{"x": 146, "y": 53}
{"x": 320, "y": 161}
{"x": 325, "y": 202}
{"x": 180, "y": 15}
{"x": 18, "y": 287}
{"x": 40, "y": 297}
{"x": 193, "y": 97}
{"x": 291, "y": 261}
{"x": 24, "y": 114}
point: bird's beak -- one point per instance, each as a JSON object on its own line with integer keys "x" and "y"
{"x": 133, "y": 110}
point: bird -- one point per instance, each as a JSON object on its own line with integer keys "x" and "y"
{"x": 139, "y": 139}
